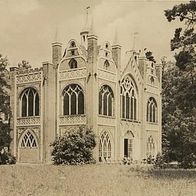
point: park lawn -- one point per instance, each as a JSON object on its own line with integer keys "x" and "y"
{"x": 99, "y": 179}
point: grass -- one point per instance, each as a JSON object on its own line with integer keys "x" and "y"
{"x": 119, "y": 180}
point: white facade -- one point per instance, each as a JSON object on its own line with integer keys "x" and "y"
{"x": 87, "y": 86}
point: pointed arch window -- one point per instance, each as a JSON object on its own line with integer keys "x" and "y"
{"x": 29, "y": 103}
{"x": 105, "y": 148}
{"x": 73, "y": 100}
{"x": 106, "y": 101}
{"x": 73, "y": 64}
{"x": 150, "y": 147}
{"x": 29, "y": 140}
{"x": 152, "y": 110}
{"x": 128, "y": 97}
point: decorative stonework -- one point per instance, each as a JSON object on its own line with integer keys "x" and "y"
{"x": 106, "y": 75}
{"x": 26, "y": 121}
{"x": 64, "y": 129}
{"x": 105, "y": 120}
{"x": 28, "y": 78}
{"x": 70, "y": 120}
{"x": 108, "y": 129}
{"x": 36, "y": 130}
{"x": 73, "y": 74}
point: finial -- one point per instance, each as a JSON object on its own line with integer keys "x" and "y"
{"x": 116, "y": 41}
{"x": 86, "y": 25}
{"x": 56, "y": 36}
{"x": 134, "y": 39}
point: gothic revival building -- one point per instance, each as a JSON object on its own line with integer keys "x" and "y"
{"x": 86, "y": 84}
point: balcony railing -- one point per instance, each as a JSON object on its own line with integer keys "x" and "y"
{"x": 72, "y": 120}
{"x": 26, "y": 121}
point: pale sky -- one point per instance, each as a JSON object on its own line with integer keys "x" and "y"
{"x": 27, "y": 27}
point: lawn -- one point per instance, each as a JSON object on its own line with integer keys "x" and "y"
{"x": 41, "y": 180}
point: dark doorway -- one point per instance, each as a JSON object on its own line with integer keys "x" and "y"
{"x": 125, "y": 147}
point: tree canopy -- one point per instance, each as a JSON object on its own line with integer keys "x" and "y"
{"x": 184, "y": 37}
{"x": 179, "y": 89}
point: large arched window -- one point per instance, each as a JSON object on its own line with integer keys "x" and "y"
{"x": 73, "y": 100}
{"x": 128, "y": 97}
{"x": 151, "y": 110}
{"x": 106, "y": 99}
{"x": 73, "y": 64}
{"x": 150, "y": 147}
{"x": 28, "y": 140}
{"x": 105, "y": 148}
{"x": 29, "y": 103}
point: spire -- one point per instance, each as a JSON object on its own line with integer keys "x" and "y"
{"x": 135, "y": 34}
{"x": 86, "y": 25}
{"x": 92, "y": 28}
{"x": 56, "y": 35}
{"x": 116, "y": 41}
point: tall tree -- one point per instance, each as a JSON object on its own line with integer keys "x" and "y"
{"x": 179, "y": 89}
{"x": 4, "y": 102}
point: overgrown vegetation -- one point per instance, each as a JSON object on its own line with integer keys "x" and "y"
{"x": 179, "y": 91}
{"x": 74, "y": 147}
{"x": 5, "y": 139}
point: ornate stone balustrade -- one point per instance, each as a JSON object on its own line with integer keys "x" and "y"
{"x": 73, "y": 74}
{"x": 72, "y": 120}
{"x": 29, "y": 77}
{"x": 107, "y": 75}
{"x": 105, "y": 120}
{"x": 26, "y": 121}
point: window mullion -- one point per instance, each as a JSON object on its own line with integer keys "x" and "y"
{"x": 69, "y": 104}
{"x": 27, "y": 106}
{"x": 76, "y": 103}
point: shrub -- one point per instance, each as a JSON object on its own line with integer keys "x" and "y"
{"x": 150, "y": 159}
{"x": 6, "y": 158}
{"x": 159, "y": 161}
{"x": 74, "y": 147}
{"x": 127, "y": 161}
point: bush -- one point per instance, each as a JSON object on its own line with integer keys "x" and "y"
{"x": 6, "y": 158}
{"x": 74, "y": 147}
{"x": 159, "y": 161}
{"x": 127, "y": 161}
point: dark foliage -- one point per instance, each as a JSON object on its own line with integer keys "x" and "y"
{"x": 74, "y": 147}
{"x": 179, "y": 90}
{"x": 184, "y": 38}
{"x": 6, "y": 158}
{"x": 179, "y": 116}
{"x": 150, "y": 56}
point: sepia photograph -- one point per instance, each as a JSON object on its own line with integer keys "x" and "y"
{"x": 97, "y": 97}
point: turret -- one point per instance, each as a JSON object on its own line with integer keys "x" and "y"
{"x": 56, "y": 52}
{"x": 85, "y": 31}
{"x": 116, "y": 51}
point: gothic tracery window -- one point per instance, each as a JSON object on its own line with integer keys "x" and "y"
{"x": 73, "y": 64}
{"x": 29, "y": 140}
{"x": 152, "y": 110}
{"x": 128, "y": 99}
{"x": 150, "y": 147}
{"x": 73, "y": 100}
{"x": 105, "y": 148}
{"x": 106, "y": 99}
{"x": 29, "y": 103}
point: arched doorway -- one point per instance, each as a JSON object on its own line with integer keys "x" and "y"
{"x": 128, "y": 145}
